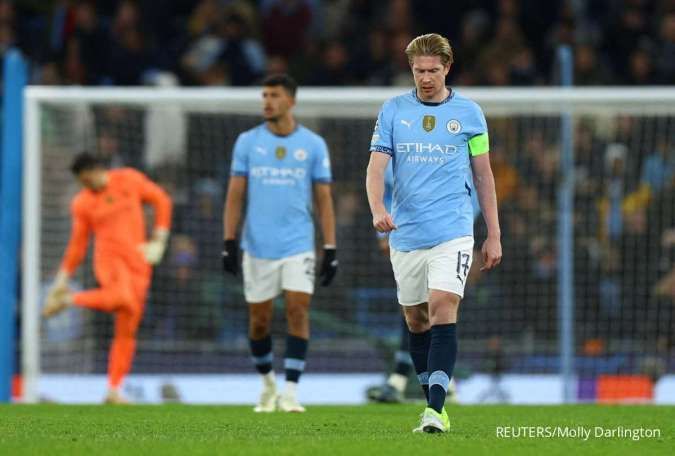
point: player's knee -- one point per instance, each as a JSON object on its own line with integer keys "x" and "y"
{"x": 417, "y": 322}
{"x": 123, "y": 296}
{"x": 297, "y": 314}
{"x": 259, "y": 328}
{"x": 443, "y": 309}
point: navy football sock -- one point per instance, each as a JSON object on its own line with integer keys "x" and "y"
{"x": 419, "y": 352}
{"x": 294, "y": 361}
{"x": 442, "y": 356}
{"x": 261, "y": 350}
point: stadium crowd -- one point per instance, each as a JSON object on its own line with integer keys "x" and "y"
{"x": 337, "y": 42}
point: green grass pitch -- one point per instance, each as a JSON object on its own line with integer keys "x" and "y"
{"x": 322, "y": 431}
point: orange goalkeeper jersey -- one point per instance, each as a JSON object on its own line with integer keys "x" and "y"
{"x": 115, "y": 216}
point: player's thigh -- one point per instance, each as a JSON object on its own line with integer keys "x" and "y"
{"x": 410, "y": 273}
{"x": 262, "y": 278}
{"x": 111, "y": 271}
{"x": 297, "y": 273}
{"x": 449, "y": 265}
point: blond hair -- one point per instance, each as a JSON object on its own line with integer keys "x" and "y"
{"x": 431, "y": 44}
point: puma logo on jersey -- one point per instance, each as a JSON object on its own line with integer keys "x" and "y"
{"x": 407, "y": 123}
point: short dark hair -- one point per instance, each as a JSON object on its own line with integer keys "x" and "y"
{"x": 85, "y": 161}
{"x": 283, "y": 80}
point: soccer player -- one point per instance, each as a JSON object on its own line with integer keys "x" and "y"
{"x": 279, "y": 165}
{"x": 437, "y": 141}
{"x": 110, "y": 206}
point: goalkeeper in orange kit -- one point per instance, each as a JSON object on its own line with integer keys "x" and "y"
{"x": 110, "y": 206}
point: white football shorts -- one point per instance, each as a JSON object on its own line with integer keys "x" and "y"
{"x": 443, "y": 267}
{"x": 265, "y": 279}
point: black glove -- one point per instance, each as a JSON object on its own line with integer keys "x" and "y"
{"x": 328, "y": 266}
{"x": 231, "y": 257}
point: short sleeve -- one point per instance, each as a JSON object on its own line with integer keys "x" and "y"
{"x": 479, "y": 142}
{"x": 239, "y": 165}
{"x": 321, "y": 171}
{"x": 382, "y": 140}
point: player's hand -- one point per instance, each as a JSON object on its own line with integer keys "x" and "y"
{"x": 230, "y": 257}
{"x": 491, "y": 252}
{"x": 329, "y": 266}
{"x": 59, "y": 285}
{"x": 60, "y": 281}
{"x": 153, "y": 250}
{"x": 383, "y": 222}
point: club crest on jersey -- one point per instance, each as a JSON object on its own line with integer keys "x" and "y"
{"x": 280, "y": 152}
{"x": 300, "y": 154}
{"x": 428, "y": 123}
{"x": 454, "y": 126}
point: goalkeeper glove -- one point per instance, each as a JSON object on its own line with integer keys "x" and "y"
{"x": 60, "y": 282}
{"x": 59, "y": 285}
{"x": 230, "y": 257}
{"x": 153, "y": 250}
{"x": 329, "y": 265}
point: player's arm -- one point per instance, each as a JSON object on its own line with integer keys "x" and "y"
{"x": 77, "y": 247}
{"x": 377, "y": 166}
{"x": 487, "y": 196}
{"x": 234, "y": 203}
{"x": 324, "y": 206}
{"x": 323, "y": 199}
{"x": 153, "y": 194}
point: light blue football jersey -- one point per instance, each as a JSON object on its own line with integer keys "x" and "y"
{"x": 280, "y": 171}
{"x": 430, "y": 145}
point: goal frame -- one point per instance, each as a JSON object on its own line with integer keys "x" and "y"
{"x": 343, "y": 102}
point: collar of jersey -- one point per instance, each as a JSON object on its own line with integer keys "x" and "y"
{"x": 431, "y": 103}
{"x": 297, "y": 126}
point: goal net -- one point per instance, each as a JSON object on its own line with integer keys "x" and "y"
{"x": 623, "y": 219}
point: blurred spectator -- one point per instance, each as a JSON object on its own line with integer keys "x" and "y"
{"x": 588, "y": 67}
{"x": 659, "y": 166}
{"x": 666, "y": 53}
{"x": 614, "y": 190}
{"x": 243, "y": 56}
{"x": 523, "y": 71}
{"x": 285, "y": 24}
{"x": 623, "y": 34}
{"x": 88, "y": 47}
{"x": 276, "y": 64}
{"x": 332, "y": 70}
{"x": 129, "y": 56}
{"x": 400, "y": 16}
{"x": 400, "y": 67}
{"x": 475, "y": 28}
{"x": 372, "y": 63}
{"x": 332, "y": 18}
{"x": 506, "y": 175}
{"x": 641, "y": 69}
{"x": 504, "y": 46}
